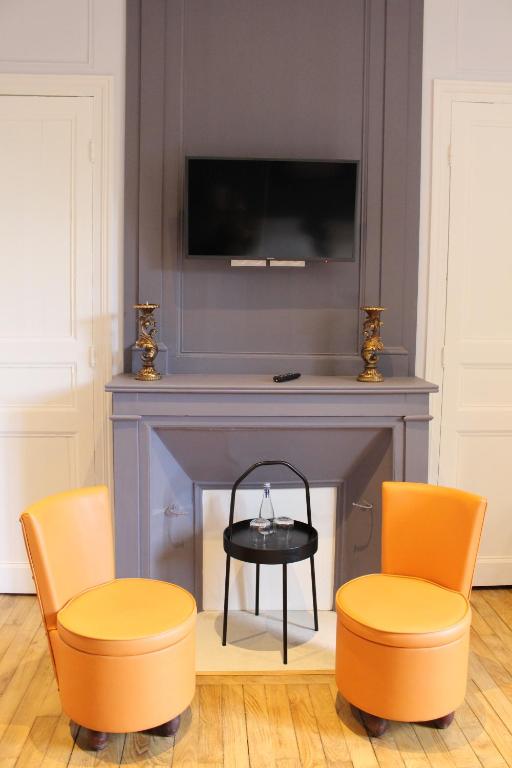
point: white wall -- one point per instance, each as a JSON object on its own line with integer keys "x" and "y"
{"x": 463, "y": 40}
{"x": 77, "y": 37}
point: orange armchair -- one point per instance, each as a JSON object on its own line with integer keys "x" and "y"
{"x": 403, "y": 635}
{"x": 123, "y": 650}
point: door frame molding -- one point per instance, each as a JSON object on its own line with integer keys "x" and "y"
{"x": 446, "y": 93}
{"x": 107, "y": 261}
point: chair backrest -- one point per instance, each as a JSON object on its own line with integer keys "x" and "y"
{"x": 70, "y": 546}
{"x": 431, "y": 532}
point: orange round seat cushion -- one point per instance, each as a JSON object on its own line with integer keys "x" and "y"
{"x": 127, "y": 617}
{"x": 402, "y": 611}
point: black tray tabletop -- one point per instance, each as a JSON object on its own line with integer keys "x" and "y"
{"x": 252, "y": 547}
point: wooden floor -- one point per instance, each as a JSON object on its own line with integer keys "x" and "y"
{"x": 268, "y": 721}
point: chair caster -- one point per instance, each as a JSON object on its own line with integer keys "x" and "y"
{"x": 375, "y": 726}
{"x": 441, "y": 722}
{"x": 94, "y": 741}
{"x": 170, "y": 728}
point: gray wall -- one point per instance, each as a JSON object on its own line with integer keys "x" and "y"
{"x": 328, "y": 79}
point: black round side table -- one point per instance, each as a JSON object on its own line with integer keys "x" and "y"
{"x": 277, "y": 548}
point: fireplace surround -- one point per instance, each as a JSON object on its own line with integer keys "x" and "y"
{"x": 183, "y": 434}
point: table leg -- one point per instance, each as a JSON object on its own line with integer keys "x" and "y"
{"x": 226, "y": 597}
{"x": 313, "y": 584}
{"x": 285, "y": 617}
{"x": 257, "y": 609}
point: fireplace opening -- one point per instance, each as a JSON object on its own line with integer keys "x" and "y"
{"x": 190, "y": 475}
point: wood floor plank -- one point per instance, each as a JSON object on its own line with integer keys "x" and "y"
{"x": 185, "y": 744}
{"x": 234, "y": 729}
{"x": 18, "y": 669}
{"x": 259, "y": 732}
{"x": 329, "y": 726}
{"x": 491, "y": 655}
{"x": 61, "y": 745}
{"x": 23, "y": 605}
{"x": 51, "y": 703}
{"x": 28, "y": 710}
{"x": 434, "y": 747}
{"x": 409, "y": 746}
{"x": 306, "y": 728}
{"x": 478, "y": 621}
{"x": 210, "y": 747}
{"x": 22, "y": 636}
{"x": 491, "y": 690}
{"x": 491, "y": 612}
{"x": 494, "y": 726}
{"x": 386, "y": 751}
{"x": 359, "y": 745}
{"x": 481, "y": 744}
{"x": 36, "y": 744}
{"x": 499, "y": 601}
{"x": 7, "y": 606}
{"x": 286, "y": 751}
{"x": 459, "y": 748}
{"x": 143, "y": 751}
{"x": 495, "y": 653}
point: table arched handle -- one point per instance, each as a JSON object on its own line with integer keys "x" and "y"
{"x": 268, "y": 463}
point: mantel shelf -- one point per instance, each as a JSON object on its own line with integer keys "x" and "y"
{"x": 263, "y": 384}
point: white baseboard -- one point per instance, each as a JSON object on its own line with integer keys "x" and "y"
{"x": 493, "y": 571}
{"x": 16, "y": 578}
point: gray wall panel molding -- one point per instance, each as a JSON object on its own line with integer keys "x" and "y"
{"x": 127, "y": 502}
{"x": 208, "y": 86}
{"x": 131, "y": 190}
{"x": 401, "y": 171}
{"x": 151, "y": 171}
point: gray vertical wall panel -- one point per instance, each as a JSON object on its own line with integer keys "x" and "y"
{"x": 131, "y": 176}
{"x": 151, "y": 150}
{"x": 288, "y": 78}
{"x": 126, "y": 487}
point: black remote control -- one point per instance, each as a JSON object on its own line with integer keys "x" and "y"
{"x": 280, "y": 377}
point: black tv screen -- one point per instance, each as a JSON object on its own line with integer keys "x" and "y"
{"x": 271, "y": 209}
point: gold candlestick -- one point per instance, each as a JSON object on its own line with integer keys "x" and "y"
{"x": 372, "y": 345}
{"x": 146, "y": 342}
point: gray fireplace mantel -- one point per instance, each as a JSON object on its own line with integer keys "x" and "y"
{"x": 175, "y": 437}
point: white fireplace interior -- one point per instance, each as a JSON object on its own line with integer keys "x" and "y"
{"x": 286, "y": 501}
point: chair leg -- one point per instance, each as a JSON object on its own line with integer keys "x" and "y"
{"x": 375, "y": 726}
{"x": 94, "y": 740}
{"x": 441, "y": 722}
{"x": 313, "y": 585}
{"x": 257, "y": 606}
{"x": 170, "y": 728}
{"x": 226, "y": 598}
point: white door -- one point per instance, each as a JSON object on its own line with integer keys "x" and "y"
{"x": 46, "y": 311}
{"x": 476, "y": 422}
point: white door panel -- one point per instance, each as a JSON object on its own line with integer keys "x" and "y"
{"x": 476, "y": 425}
{"x": 46, "y": 311}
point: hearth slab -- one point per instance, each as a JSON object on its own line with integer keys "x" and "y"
{"x": 255, "y": 643}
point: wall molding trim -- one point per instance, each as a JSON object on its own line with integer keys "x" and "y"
{"x": 491, "y": 571}
{"x": 446, "y": 93}
{"x": 106, "y": 327}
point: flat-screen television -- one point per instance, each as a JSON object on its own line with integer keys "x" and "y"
{"x": 293, "y": 210}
